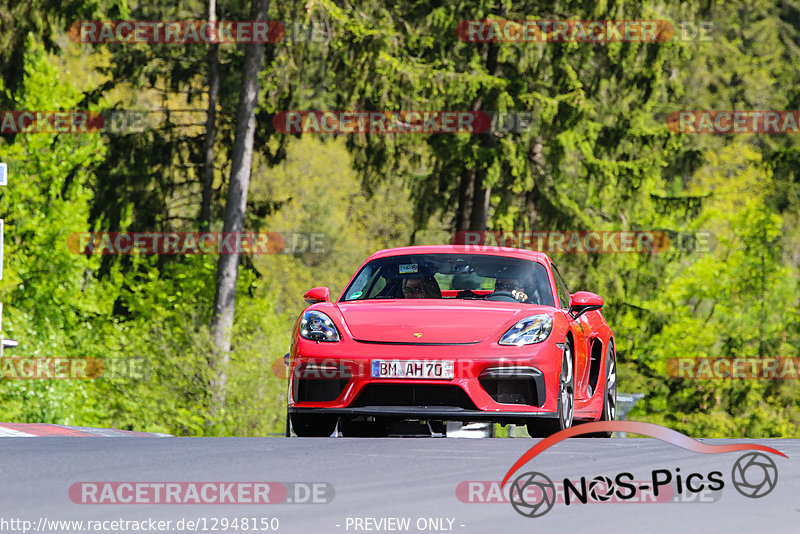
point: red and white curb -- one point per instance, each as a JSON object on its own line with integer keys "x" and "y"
{"x": 38, "y": 430}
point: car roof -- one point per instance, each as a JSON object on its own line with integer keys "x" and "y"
{"x": 508, "y": 252}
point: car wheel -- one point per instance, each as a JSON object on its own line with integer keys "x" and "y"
{"x": 566, "y": 401}
{"x": 610, "y": 394}
{"x": 312, "y": 425}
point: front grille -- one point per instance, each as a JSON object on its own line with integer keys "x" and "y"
{"x": 414, "y": 395}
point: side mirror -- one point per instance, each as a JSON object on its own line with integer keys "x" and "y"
{"x": 317, "y": 294}
{"x": 582, "y": 302}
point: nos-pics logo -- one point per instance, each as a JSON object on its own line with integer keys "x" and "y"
{"x": 533, "y": 494}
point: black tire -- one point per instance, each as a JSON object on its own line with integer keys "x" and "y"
{"x": 566, "y": 400}
{"x": 609, "y": 392}
{"x": 312, "y": 425}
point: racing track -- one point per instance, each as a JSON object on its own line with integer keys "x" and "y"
{"x": 398, "y": 477}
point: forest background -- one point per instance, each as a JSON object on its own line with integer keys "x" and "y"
{"x": 598, "y": 156}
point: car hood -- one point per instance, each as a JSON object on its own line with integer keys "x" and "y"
{"x": 431, "y": 321}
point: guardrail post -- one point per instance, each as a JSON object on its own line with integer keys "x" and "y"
{"x": 625, "y": 403}
{"x": 3, "y": 341}
{"x": 3, "y": 182}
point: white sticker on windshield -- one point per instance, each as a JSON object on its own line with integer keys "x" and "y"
{"x": 406, "y": 268}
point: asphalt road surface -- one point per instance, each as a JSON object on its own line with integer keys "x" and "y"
{"x": 378, "y": 485}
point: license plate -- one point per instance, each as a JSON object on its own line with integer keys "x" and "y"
{"x": 412, "y": 369}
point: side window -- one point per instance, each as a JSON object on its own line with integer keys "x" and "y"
{"x": 563, "y": 293}
{"x": 376, "y": 288}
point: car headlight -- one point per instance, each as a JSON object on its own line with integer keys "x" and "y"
{"x": 533, "y": 329}
{"x": 317, "y": 326}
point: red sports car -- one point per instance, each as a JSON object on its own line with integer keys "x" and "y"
{"x": 430, "y": 334}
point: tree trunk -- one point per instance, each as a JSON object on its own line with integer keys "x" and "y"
{"x": 228, "y": 267}
{"x": 479, "y": 193}
{"x": 465, "y": 196}
{"x": 211, "y": 125}
{"x": 480, "y": 204}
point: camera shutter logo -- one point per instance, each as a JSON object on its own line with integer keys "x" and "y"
{"x": 542, "y": 487}
{"x": 754, "y": 475}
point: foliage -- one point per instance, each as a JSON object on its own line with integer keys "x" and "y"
{"x": 597, "y": 156}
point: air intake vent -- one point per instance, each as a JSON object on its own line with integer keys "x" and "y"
{"x": 319, "y": 382}
{"x": 414, "y": 395}
{"x": 514, "y": 385}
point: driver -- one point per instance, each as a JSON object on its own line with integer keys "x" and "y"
{"x": 513, "y": 286}
{"x": 421, "y": 288}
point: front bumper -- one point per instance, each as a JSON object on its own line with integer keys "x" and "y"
{"x": 471, "y": 367}
{"x": 444, "y": 413}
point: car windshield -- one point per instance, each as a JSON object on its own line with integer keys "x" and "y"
{"x": 452, "y": 276}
